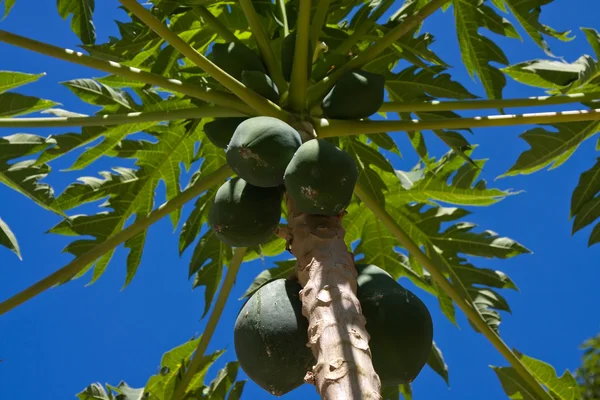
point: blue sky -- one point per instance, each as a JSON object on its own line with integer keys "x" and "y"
{"x": 70, "y": 336}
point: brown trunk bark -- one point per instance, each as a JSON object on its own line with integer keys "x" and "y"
{"x": 337, "y": 334}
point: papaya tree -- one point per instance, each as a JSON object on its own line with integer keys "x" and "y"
{"x": 288, "y": 111}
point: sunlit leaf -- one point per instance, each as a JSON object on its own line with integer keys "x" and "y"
{"x": 10, "y": 80}
{"x": 14, "y": 104}
{"x": 81, "y": 12}
{"x": 585, "y": 202}
{"x": 8, "y": 239}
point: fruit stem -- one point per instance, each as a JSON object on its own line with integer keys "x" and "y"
{"x": 332, "y": 128}
{"x": 283, "y": 15}
{"x": 83, "y": 261}
{"x": 318, "y": 90}
{"x": 251, "y": 98}
{"x": 217, "y": 25}
{"x": 437, "y": 105}
{"x": 299, "y": 79}
{"x": 264, "y": 45}
{"x": 337, "y": 333}
{"x": 319, "y": 19}
{"x": 468, "y": 308}
{"x": 118, "y": 119}
{"x": 211, "y": 325}
{"x": 212, "y": 96}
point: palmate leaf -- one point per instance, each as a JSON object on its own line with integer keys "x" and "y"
{"x": 580, "y": 76}
{"x": 11, "y": 80}
{"x": 528, "y": 15}
{"x": 552, "y": 148}
{"x": 585, "y": 202}
{"x": 7, "y": 6}
{"x": 129, "y": 193}
{"x": 478, "y": 51}
{"x": 14, "y": 104}
{"x": 95, "y": 93}
{"x": 25, "y": 176}
{"x": 452, "y": 181}
{"x": 436, "y": 362}
{"x": 563, "y": 388}
{"x": 81, "y": 13}
{"x": 8, "y": 239}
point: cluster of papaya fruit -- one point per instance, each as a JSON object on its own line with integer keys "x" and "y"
{"x": 270, "y": 159}
{"x": 270, "y": 333}
{"x": 268, "y": 154}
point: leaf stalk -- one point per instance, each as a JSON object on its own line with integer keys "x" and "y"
{"x": 470, "y": 311}
{"x": 118, "y": 119}
{"x": 83, "y": 261}
{"x": 299, "y": 79}
{"x": 317, "y": 91}
{"x": 75, "y": 57}
{"x": 437, "y": 105}
{"x": 251, "y": 98}
{"x": 264, "y": 45}
{"x": 332, "y": 128}
{"x": 213, "y": 320}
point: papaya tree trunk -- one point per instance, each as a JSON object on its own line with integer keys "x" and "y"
{"x": 337, "y": 334}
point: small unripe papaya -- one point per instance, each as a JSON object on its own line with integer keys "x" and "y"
{"x": 220, "y": 131}
{"x": 234, "y": 58}
{"x": 288, "y": 50}
{"x": 357, "y": 94}
{"x": 243, "y": 215}
{"x": 320, "y": 178}
{"x": 260, "y": 150}
{"x": 261, "y": 84}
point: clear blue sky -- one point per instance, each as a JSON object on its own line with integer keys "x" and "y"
{"x": 63, "y": 340}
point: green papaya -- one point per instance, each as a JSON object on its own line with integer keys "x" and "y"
{"x": 260, "y": 150}
{"x": 288, "y": 50}
{"x": 357, "y": 94}
{"x": 399, "y": 324}
{"x": 243, "y": 215}
{"x": 261, "y": 84}
{"x": 220, "y": 130}
{"x": 234, "y": 58}
{"x": 320, "y": 178}
{"x": 270, "y": 337}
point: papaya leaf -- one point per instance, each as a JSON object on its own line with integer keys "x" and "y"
{"x": 11, "y": 80}
{"x": 585, "y": 202}
{"x": 192, "y": 226}
{"x": 95, "y": 391}
{"x": 479, "y": 52}
{"x": 8, "y": 5}
{"x": 563, "y": 388}
{"x": 172, "y": 367}
{"x": 223, "y": 382}
{"x": 8, "y": 239}
{"x": 81, "y": 20}
{"x": 210, "y": 255}
{"x": 284, "y": 269}
{"x": 593, "y": 37}
{"x": 400, "y": 392}
{"x": 97, "y": 94}
{"x": 551, "y": 148}
{"x": 453, "y": 182}
{"x": 14, "y": 104}
{"x": 236, "y": 391}
{"x": 528, "y": 15}
{"x": 436, "y": 362}
{"x": 25, "y": 176}
{"x": 125, "y": 392}
{"x": 412, "y": 84}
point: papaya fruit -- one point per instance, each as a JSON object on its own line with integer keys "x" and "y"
{"x": 270, "y": 337}
{"x": 399, "y": 324}
{"x": 220, "y": 130}
{"x": 261, "y": 84}
{"x": 234, "y": 58}
{"x": 288, "y": 49}
{"x": 243, "y": 215}
{"x": 260, "y": 150}
{"x": 357, "y": 94}
{"x": 320, "y": 178}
